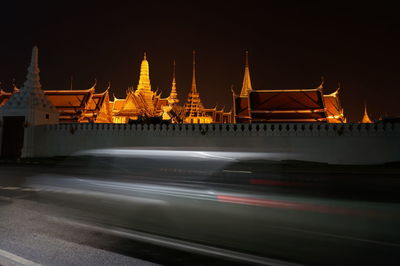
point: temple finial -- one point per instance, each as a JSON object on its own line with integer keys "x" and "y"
{"x": 321, "y": 85}
{"x": 246, "y": 87}
{"x": 194, "y": 87}
{"x": 33, "y": 79}
{"x": 173, "y": 96}
{"x": 366, "y": 118}
{"x": 173, "y": 72}
{"x": 15, "y": 89}
{"x": 144, "y": 56}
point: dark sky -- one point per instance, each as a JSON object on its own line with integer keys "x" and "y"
{"x": 291, "y": 45}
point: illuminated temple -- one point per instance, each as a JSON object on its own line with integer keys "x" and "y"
{"x": 300, "y": 105}
{"x": 143, "y": 105}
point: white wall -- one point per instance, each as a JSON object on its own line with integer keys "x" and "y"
{"x": 331, "y": 143}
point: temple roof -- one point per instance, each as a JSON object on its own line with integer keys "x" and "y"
{"x": 303, "y": 105}
{"x": 334, "y": 110}
{"x": 118, "y": 104}
{"x": 96, "y": 101}
{"x": 4, "y": 97}
{"x": 70, "y": 99}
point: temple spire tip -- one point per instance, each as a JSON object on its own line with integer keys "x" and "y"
{"x": 194, "y": 86}
{"x": 246, "y": 87}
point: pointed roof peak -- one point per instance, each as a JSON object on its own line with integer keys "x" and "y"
{"x": 246, "y": 87}
{"x": 144, "y": 56}
{"x": 32, "y": 78}
{"x": 194, "y": 85}
{"x": 366, "y": 118}
{"x": 173, "y": 71}
{"x": 35, "y": 54}
{"x": 321, "y": 85}
{"x": 339, "y": 87}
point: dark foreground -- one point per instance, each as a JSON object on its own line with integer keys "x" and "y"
{"x": 207, "y": 210}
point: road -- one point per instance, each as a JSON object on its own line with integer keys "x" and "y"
{"x": 64, "y": 219}
{"x": 34, "y": 231}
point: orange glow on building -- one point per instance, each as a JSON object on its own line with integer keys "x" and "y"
{"x": 143, "y": 105}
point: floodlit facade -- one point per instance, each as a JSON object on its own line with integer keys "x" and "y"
{"x": 43, "y": 123}
{"x": 285, "y": 106}
{"x": 140, "y": 105}
{"x": 143, "y": 105}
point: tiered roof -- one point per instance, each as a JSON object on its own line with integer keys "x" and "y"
{"x": 194, "y": 107}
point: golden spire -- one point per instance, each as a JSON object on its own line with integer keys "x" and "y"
{"x": 246, "y": 87}
{"x": 193, "y": 106}
{"x": 173, "y": 76}
{"x": 144, "y": 79}
{"x": 366, "y": 118}
{"x": 173, "y": 97}
{"x": 194, "y": 87}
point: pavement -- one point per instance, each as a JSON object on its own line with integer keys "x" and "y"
{"x": 34, "y": 233}
{"x": 306, "y": 228}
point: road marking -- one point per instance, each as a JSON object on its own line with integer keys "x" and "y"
{"x": 28, "y": 189}
{"x": 9, "y": 259}
{"x": 237, "y": 171}
{"x": 11, "y": 188}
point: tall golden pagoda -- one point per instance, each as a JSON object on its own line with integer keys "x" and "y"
{"x": 173, "y": 96}
{"x": 194, "y": 109}
{"x": 144, "y": 87}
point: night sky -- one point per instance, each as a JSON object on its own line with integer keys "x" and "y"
{"x": 291, "y": 45}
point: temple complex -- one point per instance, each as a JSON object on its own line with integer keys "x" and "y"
{"x": 143, "y": 105}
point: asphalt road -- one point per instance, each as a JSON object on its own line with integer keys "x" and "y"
{"x": 35, "y": 231}
{"x": 31, "y": 230}
{"x": 282, "y": 218}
